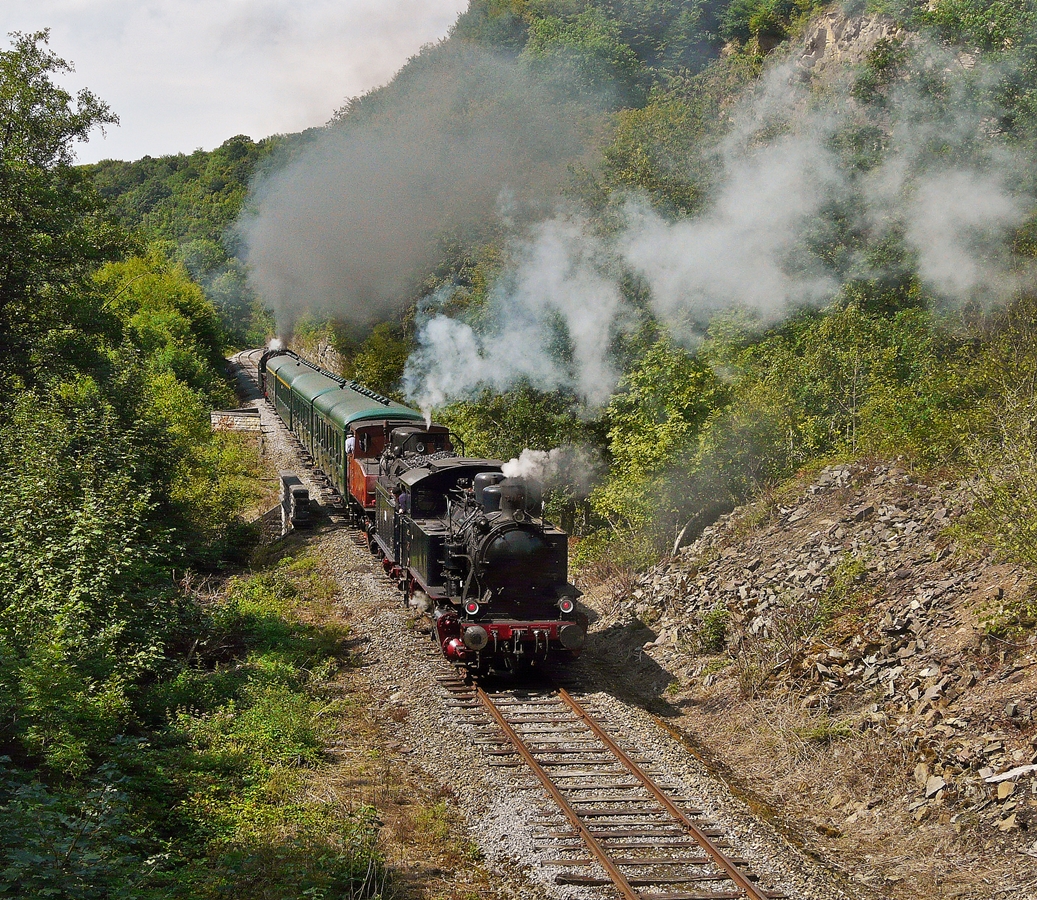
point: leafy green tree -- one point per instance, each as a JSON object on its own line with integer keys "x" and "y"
{"x": 587, "y": 55}
{"x": 654, "y": 424}
{"x": 53, "y": 227}
{"x": 380, "y": 359}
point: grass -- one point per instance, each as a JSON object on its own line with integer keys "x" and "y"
{"x": 712, "y": 631}
{"x": 260, "y": 771}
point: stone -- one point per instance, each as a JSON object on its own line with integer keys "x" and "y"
{"x": 933, "y": 785}
{"x": 921, "y": 774}
{"x": 1011, "y": 774}
{"x": 863, "y": 512}
{"x": 1005, "y": 789}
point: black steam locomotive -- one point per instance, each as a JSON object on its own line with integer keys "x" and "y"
{"x": 465, "y": 544}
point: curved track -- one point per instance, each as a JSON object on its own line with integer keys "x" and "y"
{"x": 619, "y": 824}
{"x": 617, "y": 819}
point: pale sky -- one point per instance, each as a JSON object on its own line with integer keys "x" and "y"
{"x": 184, "y": 74}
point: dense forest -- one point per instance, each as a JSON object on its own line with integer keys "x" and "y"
{"x": 152, "y": 739}
{"x": 762, "y": 267}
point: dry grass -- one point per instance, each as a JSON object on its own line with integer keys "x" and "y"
{"x": 842, "y": 786}
{"x": 422, "y": 838}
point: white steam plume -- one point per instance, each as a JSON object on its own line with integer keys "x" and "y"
{"x": 954, "y": 215}
{"x": 560, "y": 290}
{"x": 575, "y": 468}
{"x": 943, "y": 184}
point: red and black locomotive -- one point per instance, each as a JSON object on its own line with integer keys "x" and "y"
{"x": 465, "y": 544}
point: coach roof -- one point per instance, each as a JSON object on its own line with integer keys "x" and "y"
{"x": 342, "y": 402}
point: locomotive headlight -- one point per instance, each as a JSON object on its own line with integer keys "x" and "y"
{"x": 476, "y": 637}
{"x": 472, "y": 608}
{"x": 566, "y": 606}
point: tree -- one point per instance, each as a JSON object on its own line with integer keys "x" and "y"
{"x": 53, "y": 228}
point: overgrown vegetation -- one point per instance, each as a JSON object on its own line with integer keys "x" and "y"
{"x": 155, "y": 741}
{"x": 882, "y": 369}
{"x": 191, "y": 202}
{"x": 695, "y": 429}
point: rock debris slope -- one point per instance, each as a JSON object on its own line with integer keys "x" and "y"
{"x": 906, "y": 701}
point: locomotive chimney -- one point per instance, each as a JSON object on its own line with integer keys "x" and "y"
{"x": 513, "y": 498}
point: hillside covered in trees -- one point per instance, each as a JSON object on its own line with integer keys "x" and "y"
{"x": 776, "y": 233}
{"x": 747, "y": 201}
{"x": 710, "y": 244}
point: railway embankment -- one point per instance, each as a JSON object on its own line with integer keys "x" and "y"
{"x": 845, "y": 657}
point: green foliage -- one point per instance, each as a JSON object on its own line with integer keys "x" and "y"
{"x": 662, "y": 148}
{"x": 218, "y": 802}
{"x": 111, "y": 485}
{"x": 501, "y": 426}
{"x": 852, "y": 380}
{"x": 712, "y": 631}
{"x": 654, "y": 424}
{"x": 1005, "y": 33}
{"x": 1002, "y": 450}
{"x": 379, "y": 361}
{"x": 587, "y": 55}
{"x": 823, "y": 729}
{"x": 40, "y": 121}
{"x": 55, "y": 230}
{"x": 847, "y": 589}
{"x": 80, "y": 847}
{"x": 193, "y": 201}
{"x": 768, "y": 22}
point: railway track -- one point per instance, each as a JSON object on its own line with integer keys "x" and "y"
{"x": 614, "y": 822}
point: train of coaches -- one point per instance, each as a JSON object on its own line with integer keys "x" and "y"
{"x": 465, "y": 544}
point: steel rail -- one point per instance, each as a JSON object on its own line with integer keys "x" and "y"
{"x": 733, "y": 872}
{"x": 618, "y": 878}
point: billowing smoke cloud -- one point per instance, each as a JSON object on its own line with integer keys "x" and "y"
{"x": 574, "y": 468}
{"x": 560, "y": 291}
{"x": 941, "y": 184}
{"x": 738, "y": 254}
{"x": 351, "y": 226}
{"x": 956, "y": 224}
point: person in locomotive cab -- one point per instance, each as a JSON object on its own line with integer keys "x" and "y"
{"x": 403, "y": 501}
{"x": 350, "y": 443}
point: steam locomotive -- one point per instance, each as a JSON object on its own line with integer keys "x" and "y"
{"x": 466, "y": 545}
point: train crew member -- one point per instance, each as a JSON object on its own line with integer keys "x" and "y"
{"x": 403, "y": 501}
{"x": 350, "y": 443}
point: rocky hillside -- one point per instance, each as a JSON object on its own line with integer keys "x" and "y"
{"x": 847, "y": 659}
